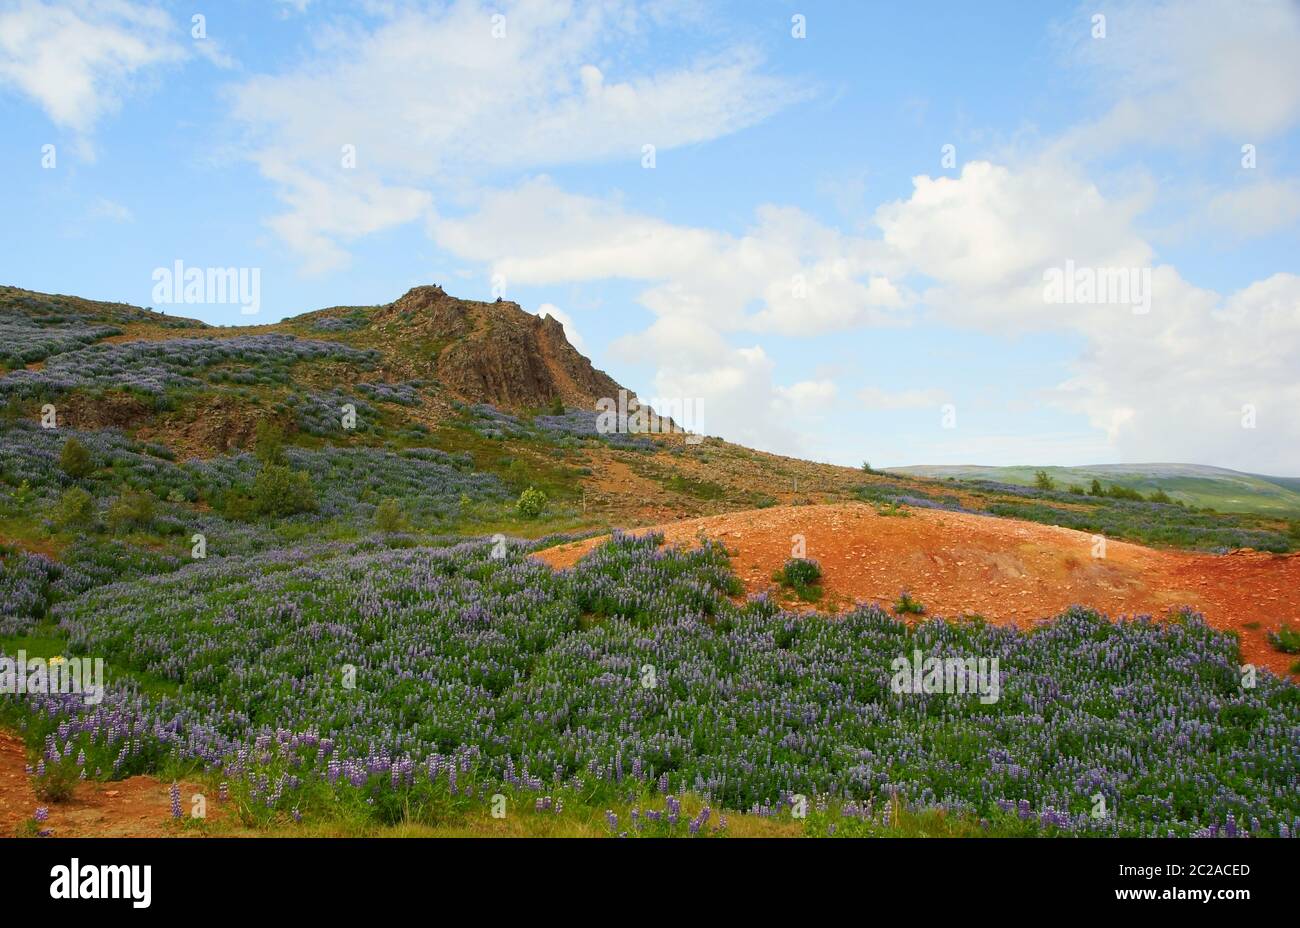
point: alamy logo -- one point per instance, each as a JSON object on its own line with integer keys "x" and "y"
{"x": 1099, "y": 286}
{"x": 947, "y": 675}
{"x": 21, "y": 675}
{"x": 236, "y": 285}
{"x": 105, "y": 881}
{"x": 660, "y": 416}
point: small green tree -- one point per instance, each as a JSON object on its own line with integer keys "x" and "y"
{"x": 389, "y": 517}
{"x": 1042, "y": 481}
{"x": 75, "y": 509}
{"x": 1115, "y": 491}
{"x": 531, "y": 503}
{"x": 1095, "y": 489}
{"x": 280, "y": 491}
{"x": 557, "y": 406}
{"x": 133, "y": 509}
{"x": 75, "y": 459}
{"x": 268, "y": 445}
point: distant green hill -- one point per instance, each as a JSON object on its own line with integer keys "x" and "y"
{"x": 1194, "y": 484}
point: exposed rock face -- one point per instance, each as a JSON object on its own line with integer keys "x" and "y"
{"x": 495, "y": 352}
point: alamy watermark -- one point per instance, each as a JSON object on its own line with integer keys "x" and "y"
{"x": 76, "y": 880}
{"x": 178, "y": 284}
{"x": 658, "y": 416}
{"x": 20, "y": 675}
{"x": 950, "y": 675}
{"x": 1099, "y": 286}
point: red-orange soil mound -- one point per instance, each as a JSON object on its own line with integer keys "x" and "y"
{"x": 1003, "y": 569}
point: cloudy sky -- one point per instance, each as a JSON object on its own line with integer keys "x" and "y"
{"x": 832, "y": 224}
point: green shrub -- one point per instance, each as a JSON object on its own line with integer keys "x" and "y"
{"x": 280, "y": 491}
{"x": 1042, "y": 481}
{"x": 1115, "y": 491}
{"x": 801, "y": 574}
{"x": 389, "y": 516}
{"x": 75, "y": 509}
{"x": 906, "y": 605}
{"x": 237, "y": 506}
{"x": 56, "y": 781}
{"x": 531, "y": 503}
{"x": 131, "y": 510}
{"x": 1286, "y": 639}
{"x": 268, "y": 445}
{"x": 801, "y": 571}
{"x": 75, "y": 460}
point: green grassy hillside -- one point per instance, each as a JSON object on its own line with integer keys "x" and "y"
{"x": 1193, "y": 484}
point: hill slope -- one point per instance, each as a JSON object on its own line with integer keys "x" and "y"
{"x": 428, "y": 375}
{"x": 1194, "y": 484}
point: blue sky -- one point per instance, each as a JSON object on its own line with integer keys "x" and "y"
{"x": 800, "y": 259}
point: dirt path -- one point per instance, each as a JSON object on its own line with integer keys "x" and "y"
{"x": 1003, "y": 569}
{"x": 138, "y": 807}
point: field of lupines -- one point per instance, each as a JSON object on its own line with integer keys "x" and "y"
{"x": 153, "y": 367}
{"x": 24, "y": 340}
{"x": 569, "y": 429}
{"x": 383, "y": 677}
{"x": 185, "y": 498}
{"x": 166, "y": 370}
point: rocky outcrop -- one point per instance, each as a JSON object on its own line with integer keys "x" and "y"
{"x": 495, "y": 352}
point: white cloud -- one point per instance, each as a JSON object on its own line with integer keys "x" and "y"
{"x": 289, "y": 7}
{"x": 104, "y": 208}
{"x": 876, "y": 398}
{"x": 804, "y": 398}
{"x": 1255, "y": 209}
{"x": 787, "y": 275}
{"x": 731, "y": 389}
{"x": 431, "y": 98}
{"x": 986, "y": 237}
{"x": 1180, "y": 390}
{"x": 1170, "y": 383}
{"x": 213, "y": 51}
{"x": 76, "y": 59}
{"x": 1190, "y": 69}
{"x": 322, "y": 213}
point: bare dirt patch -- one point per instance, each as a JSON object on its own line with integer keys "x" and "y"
{"x": 1005, "y": 570}
{"x": 137, "y": 807}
